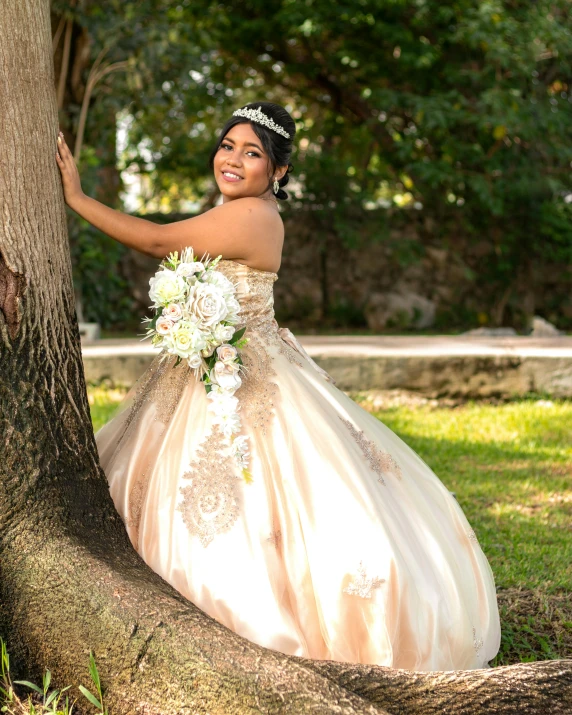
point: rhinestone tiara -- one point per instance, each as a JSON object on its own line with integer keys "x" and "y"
{"x": 257, "y": 115}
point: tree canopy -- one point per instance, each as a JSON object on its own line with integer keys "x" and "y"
{"x": 455, "y": 117}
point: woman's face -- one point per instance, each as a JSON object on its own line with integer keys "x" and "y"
{"x": 241, "y": 166}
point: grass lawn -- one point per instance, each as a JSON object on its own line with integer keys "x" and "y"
{"x": 511, "y": 468}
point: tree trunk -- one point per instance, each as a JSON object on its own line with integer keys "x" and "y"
{"x": 70, "y": 580}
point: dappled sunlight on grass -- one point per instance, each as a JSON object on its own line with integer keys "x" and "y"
{"x": 510, "y": 466}
{"x": 103, "y": 403}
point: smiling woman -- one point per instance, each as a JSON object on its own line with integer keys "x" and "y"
{"x": 250, "y": 163}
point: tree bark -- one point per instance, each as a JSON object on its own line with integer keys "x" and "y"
{"x": 70, "y": 580}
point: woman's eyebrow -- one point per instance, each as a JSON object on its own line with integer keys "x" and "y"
{"x": 228, "y": 139}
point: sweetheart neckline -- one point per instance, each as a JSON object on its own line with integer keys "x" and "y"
{"x": 250, "y": 268}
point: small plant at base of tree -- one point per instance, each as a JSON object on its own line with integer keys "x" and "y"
{"x": 47, "y": 702}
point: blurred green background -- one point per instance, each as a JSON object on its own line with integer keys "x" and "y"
{"x": 432, "y": 172}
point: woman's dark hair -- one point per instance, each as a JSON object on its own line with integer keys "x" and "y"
{"x": 278, "y": 147}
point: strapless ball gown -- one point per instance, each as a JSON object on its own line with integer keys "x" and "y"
{"x": 344, "y": 546}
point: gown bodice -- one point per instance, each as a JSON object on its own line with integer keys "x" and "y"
{"x": 255, "y": 293}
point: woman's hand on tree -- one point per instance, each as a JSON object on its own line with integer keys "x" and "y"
{"x": 70, "y": 175}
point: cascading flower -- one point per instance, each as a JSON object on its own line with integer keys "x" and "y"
{"x": 196, "y": 311}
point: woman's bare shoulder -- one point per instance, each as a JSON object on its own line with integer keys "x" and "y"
{"x": 250, "y": 206}
{"x": 248, "y": 229}
{"x": 261, "y": 225}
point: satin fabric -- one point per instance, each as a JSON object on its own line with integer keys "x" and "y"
{"x": 344, "y": 546}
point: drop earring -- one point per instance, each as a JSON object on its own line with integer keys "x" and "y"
{"x": 276, "y": 186}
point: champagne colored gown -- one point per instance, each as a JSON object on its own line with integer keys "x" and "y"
{"x": 344, "y": 546}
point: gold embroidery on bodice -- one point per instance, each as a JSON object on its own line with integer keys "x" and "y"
{"x": 255, "y": 293}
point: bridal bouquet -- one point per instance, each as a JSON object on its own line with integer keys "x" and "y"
{"x": 196, "y": 311}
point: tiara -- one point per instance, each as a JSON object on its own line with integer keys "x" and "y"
{"x": 257, "y": 115}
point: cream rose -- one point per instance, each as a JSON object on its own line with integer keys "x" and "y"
{"x": 206, "y": 304}
{"x": 173, "y": 311}
{"x": 166, "y": 287}
{"x": 164, "y": 325}
{"x": 226, "y": 353}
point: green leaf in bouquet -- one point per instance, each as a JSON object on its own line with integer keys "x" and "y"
{"x": 178, "y": 361}
{"x": 172, "y": 260}
{"x": 238, "y": 335}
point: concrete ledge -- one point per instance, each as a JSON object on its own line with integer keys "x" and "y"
{"x": 435, "y": 366}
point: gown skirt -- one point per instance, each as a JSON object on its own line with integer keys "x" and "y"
{"x": 344, "y": 545}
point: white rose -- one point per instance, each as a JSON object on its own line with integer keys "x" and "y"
{"x": 166, "y": 287}
{"x": 164, "y": 325}
{"x": 226, "y": 353}
{"x": 216, "y": 278}
{"x": 173, "y": 311}
{"x": 226, "y": 375}
{"x": 223, "y": 333}
{"x": 187, "y": 339}
{"x": 239, "y": 450}
{"x": 189, "y": 269}
{"x": 233, "y": 308}
{"x": 206, "y": 304}
{"x": 194, "y": 360}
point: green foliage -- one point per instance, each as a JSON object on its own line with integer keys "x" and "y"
{"x": 346, "y": 314}
{"x": 45, "y": 702}
{"x": 458, "y": 113}
{"x": 97, "y": 701}
{"x": 97, "y": 275}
